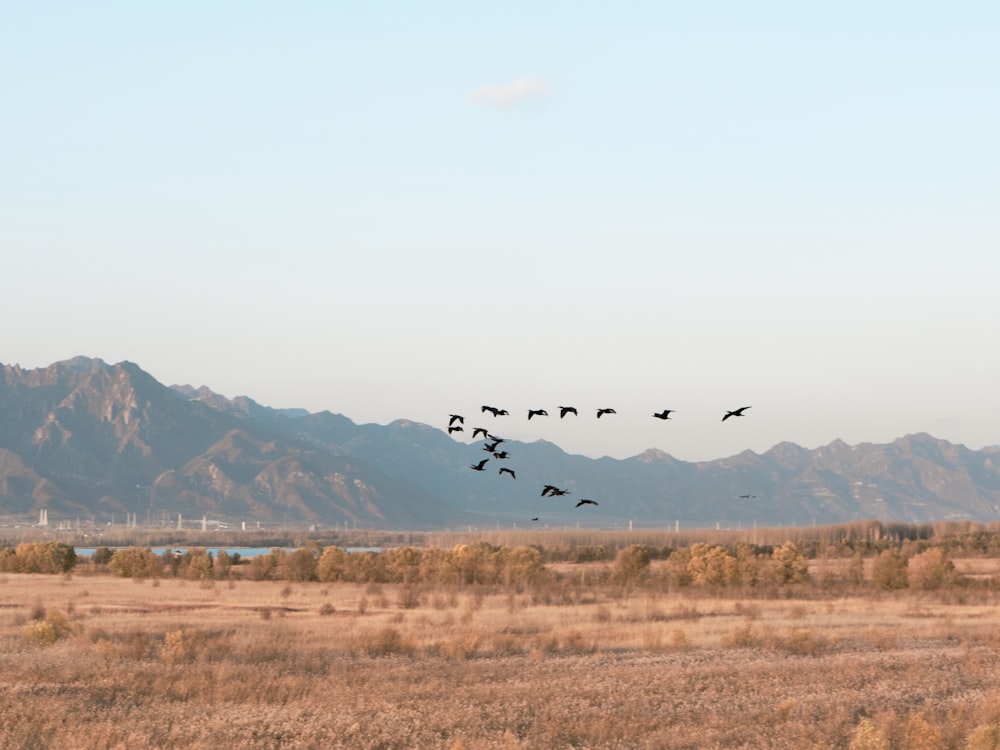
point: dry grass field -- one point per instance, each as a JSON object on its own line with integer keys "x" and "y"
{"x": 95, "y": 661}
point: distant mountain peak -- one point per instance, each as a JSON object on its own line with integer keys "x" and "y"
{"x": 652, "y": 455}
{"x": 82, "y": 364}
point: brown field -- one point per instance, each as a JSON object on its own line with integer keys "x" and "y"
{"x": 94, "y": 661}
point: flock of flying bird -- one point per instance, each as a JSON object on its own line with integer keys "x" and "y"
{"x": 456, "y": 423}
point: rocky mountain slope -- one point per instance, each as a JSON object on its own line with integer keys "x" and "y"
{"x": 85, "y": 439}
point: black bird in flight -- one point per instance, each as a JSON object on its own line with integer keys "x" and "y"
{"x": 584, "y": 501}
{"x": 490, "y": 447}
{"x": 494, "y": 438}
{"x": 452, "y": 418}
{"x": 735, "y": 413}
{"x": 665, "y": 414}
{"x": 505, "y": 470}
{"x": 537, "y": 413}
{"x": 564, "y": 410}
{"x": 602, "y": 412}
{"x": 501, "y": 454}
{"x": 747, "y": 497}
{"x": 456, "y": 428}
{"x": 477, "y": 431}
{"x": 480, "y": 465}
{"x": 535, "y": 518}
{"x": 553, "y": 491}
{"x": 495, "y": 411}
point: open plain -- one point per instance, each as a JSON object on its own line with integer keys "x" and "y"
{"x": 97, "y": 661}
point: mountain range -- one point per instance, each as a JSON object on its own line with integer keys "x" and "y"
{"x": 84, "y": 439}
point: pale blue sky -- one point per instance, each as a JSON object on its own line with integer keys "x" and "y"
{"x": 406, "y": 210}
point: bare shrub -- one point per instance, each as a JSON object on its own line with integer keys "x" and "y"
{"x": 574, "y": 642}
{"x": 464, "y": 644}
{"x": 137, "y": 645}
{"x": 883, "y": 639}
{"x": 327, "y": 609}
{"x": 439, "y": 602}
{"x": 385, "y": 641}
{"x": 868, "y": 736}
{"x": 783, "y": 711}
{"x": 632, "y": 564}
{"x": 408, "y": 597}
{"x": 652, "y": 639}
{"x": 743, "y": 636}
{"x": 889, "y": 571}
{"x": 921, "y": 734}
{"x": 803, "y": 642}
{"x": 798, "y": 612}
{"x": 37, "y": 611}
{"x": 984, "y": 737}
{"x": 179, "y": 646}
{"x": 505, "y": 644}
{"x": 46, "y": 632}
{"x": 685, "y": 612}
{"x": 930, "y": 570}
{"x": 678, "y": 638}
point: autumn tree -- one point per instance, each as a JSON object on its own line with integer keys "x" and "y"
{"x": 38, "y": 557}
{"x": 750, "y": 564}
{"x": 404, "y": 564}
{"x": 332, "y": 565}
{"x": 299, "y": 565}
{"x": 223, "y": 564}
{"x": 789, "y": 565}
{"x": 521, "y": 566}
{"x": 889, "y": 571}
{"x": 476, "y": 563}
{"x": 436, "y": 567}
{"x": 712, "y": 565}
{"x": 930, "y": 570}
{"x": 197, "y": 564}
{"x": 136, "y": 562}
{"x": 265, "y": 567}
{"x": 632, "y": 564}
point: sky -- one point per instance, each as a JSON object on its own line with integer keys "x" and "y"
{"x": 400, "y": 210}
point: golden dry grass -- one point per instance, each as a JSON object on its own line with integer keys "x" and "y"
{"x": 246, "y": 664}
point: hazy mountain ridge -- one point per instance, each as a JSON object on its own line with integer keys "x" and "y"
{"x": 92, "y": 439}
{"x": 87, "y": 439}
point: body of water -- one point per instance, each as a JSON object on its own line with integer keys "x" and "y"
{"x": 244, "y": 552}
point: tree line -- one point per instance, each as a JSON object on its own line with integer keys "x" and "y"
{"x": 911, "y": 564}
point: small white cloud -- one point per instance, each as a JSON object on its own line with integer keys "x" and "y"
{"x": 510, "y": 95}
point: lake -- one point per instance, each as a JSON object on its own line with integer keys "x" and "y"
{"x": 244, "y": 552}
